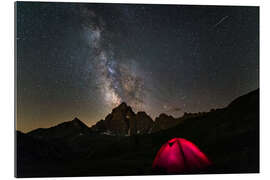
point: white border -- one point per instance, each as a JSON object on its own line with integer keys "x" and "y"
{"x": 7, "y": 88}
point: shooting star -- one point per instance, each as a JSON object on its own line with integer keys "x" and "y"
{"x": 220, "y": 21}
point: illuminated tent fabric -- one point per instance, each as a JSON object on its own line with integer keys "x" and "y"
{"x": 179, "y": 156}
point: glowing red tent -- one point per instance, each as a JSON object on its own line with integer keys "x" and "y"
{"x": 179, "y": 156}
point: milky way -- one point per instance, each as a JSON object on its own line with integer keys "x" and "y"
{"x": 116, "y": 81}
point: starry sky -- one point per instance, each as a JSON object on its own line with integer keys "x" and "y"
{"x": 83, "y": 59}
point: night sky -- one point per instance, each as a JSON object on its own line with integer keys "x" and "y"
{"x": 82, "y": 60}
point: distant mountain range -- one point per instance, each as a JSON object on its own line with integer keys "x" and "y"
{"x": 125, "y": 143}
{"x": 122, "y": 121}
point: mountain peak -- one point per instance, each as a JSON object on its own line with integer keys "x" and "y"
{"x": 77, "y": 123}
{"x": 66, "y": 129}
{"x": 76, "y": 120}
{"x": 122, "y": 108}
{"x": 123, "y": 105}
{"x": 123, "y": 121}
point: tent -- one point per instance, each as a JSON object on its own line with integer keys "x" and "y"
{"x": 179, "y": 155}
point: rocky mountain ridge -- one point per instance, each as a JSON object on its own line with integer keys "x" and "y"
{"x": 122, "y": 121}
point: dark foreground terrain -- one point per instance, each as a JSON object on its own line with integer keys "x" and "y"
{"x": 228, "y": 136}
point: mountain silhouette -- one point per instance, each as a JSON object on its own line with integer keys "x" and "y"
{"x": 125, "y": 143}
{"x": 69, "y": 129}
{"x": 123, "y": 121}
